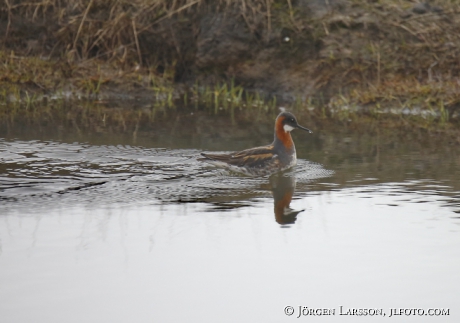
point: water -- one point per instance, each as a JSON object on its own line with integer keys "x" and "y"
{"x": 105, "y": 222}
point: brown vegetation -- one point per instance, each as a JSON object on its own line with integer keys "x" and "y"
{"x": 348, "y": 52}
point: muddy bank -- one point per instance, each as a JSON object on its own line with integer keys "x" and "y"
{"x": 401, "y": 54}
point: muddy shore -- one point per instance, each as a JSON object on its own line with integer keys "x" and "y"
{"x": 341, "y": 55}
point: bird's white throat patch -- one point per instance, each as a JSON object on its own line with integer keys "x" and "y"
{"x": 288, "y": 128}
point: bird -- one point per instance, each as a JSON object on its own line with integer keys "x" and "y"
{"x": 266, "y": 160}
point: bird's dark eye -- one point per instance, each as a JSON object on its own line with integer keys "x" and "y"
{"x": 292, "y": 119}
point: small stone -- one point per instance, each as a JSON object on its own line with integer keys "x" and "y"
{"x": 421, "y": 8}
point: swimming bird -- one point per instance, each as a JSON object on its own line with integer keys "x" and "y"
{"x": 265, "y": 160}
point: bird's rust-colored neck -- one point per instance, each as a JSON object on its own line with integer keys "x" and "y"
{"x": 282, "y": 135}
{"x": 282, "y": 204}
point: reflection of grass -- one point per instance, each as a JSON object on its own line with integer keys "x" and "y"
{"x": 96, "y": 120}
{"x": 224, "y": 96}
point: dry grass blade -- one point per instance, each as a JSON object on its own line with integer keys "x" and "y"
{"x": 74, "y": 47}
{"x": 137, "y": 42}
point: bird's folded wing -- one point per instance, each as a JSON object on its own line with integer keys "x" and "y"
{"x": 254, "y": 157}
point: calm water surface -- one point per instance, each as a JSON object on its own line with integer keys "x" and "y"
{"x": 118, "y": 222}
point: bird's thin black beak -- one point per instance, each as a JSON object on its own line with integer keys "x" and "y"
{"x": 303, "y": 128}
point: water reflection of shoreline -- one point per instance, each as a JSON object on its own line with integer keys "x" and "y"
{"x": 283, "y": 188}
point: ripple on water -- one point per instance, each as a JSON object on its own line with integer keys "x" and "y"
{"x": 35, "y": 172}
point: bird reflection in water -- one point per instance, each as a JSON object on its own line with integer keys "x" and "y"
{"x": 283, "y": 187}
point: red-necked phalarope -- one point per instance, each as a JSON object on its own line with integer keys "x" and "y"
{"x": 265, "y": 160}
